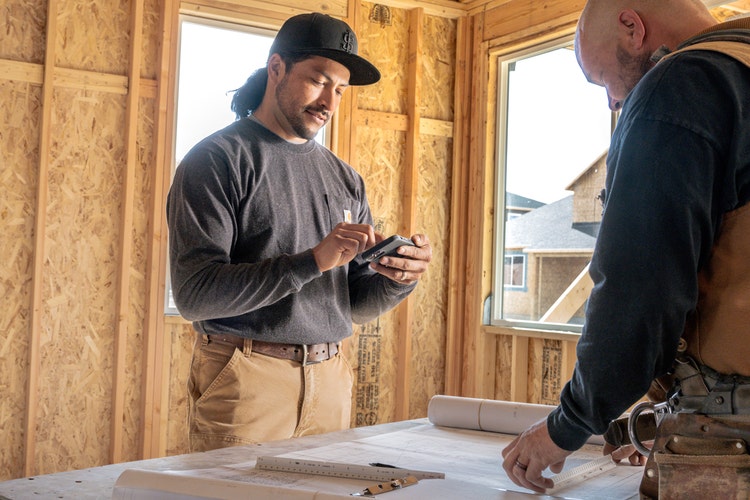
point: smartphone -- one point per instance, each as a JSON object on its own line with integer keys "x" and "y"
{"x": 386, "y": 247}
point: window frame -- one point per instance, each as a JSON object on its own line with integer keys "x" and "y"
{"x": 499, "y": 251}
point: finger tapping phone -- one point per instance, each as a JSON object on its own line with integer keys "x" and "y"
{"x": 386, "y": 247}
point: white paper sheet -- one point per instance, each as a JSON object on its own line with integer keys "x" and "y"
{"x": 471, "y": 460}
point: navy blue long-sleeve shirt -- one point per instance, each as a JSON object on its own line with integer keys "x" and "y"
{"x": 679, "y": 159}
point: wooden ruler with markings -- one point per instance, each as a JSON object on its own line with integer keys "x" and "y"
{"x": 335, "y": 469}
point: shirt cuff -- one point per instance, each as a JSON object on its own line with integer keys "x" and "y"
{"x": 565, "y": 434}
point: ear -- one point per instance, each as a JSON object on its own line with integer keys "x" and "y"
{"x": 276, "y": 68}
{"x": 632, "y": 29}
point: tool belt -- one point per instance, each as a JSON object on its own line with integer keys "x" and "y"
{"x": 301, "y": 353}
{"x": 700, "y": 435}
{"x": 701, "y": 389}
{"x": 698, "y": 456}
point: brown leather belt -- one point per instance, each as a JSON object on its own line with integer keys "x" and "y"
{"x": 301, "y": 353}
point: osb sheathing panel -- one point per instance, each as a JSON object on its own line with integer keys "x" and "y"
{"x": 545, "y": 377}
{"x": 178, "y": 343}
{"x": 431, "y": 296}
{"x": 438, "y": 68}
{"x": 93, "y": 35}
{"x": 19, "y": 134}
{"x": 387, "y": 47}
{"x": 504, "y": 354}
{"x": 151, "y": 37}
{"x": 80, "y": 281}
{"x": 374, "y": 346}
{"x": 545, "y": 371}
{"x": 137, "y": 271}
{"x": 22, "y": 25}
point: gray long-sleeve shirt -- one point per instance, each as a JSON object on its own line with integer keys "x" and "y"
{"x": 244, "y": 211}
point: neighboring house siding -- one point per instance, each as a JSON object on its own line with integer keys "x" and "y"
{"x": 558, "y": 241}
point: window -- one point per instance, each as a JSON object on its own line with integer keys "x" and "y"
{"x": 554, "y": 129}
{"x": 514, "y": 271}
{"x": 214, "y": 59}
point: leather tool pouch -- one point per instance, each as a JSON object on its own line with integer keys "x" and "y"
{"x": 697, "y": 456}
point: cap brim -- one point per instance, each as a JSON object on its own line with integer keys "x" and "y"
{"x": 361, "y": 71}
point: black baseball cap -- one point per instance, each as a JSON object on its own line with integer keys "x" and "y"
{"x": 322, "y": 35}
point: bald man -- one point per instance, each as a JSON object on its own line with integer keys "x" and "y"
{"x": 672, "y": 259}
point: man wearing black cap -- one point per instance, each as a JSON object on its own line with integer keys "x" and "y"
{"x": 266, "y": 226}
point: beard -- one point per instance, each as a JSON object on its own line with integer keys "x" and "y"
{"x": 632, "y": 68}
{"x": 295, "y": 113}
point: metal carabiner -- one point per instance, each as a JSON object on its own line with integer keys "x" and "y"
{"x": 659, "y": 409}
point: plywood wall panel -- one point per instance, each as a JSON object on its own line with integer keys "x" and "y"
{"x": 503, "y": 374}
{"x": 93, "y": 35}
{"x": 179, "y": 339}
{"x": 387, "y": 48}
{"x": 79, "y": 276}
{"x": 431, "y": 296}
{"x": 151, "y": 37}
{"x": 138, "y": 287}
{"x": 545, "y": 371}
{"x": 439, "y": 67}
{"x": 19, "y": 130}
{"x": 373, "y": 348}
{"x": 22, "y": 26}
{"x": 381, "y": 163}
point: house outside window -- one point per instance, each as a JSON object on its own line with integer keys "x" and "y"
{"x": 554, "y": 131}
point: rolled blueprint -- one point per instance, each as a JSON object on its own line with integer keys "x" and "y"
{"x": 506, "y": 417}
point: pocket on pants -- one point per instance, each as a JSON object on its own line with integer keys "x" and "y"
{"x": 213, "y": 365}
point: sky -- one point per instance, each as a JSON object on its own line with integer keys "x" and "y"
{"x": 558, "y": 124}
{"x": 220, "y": 60}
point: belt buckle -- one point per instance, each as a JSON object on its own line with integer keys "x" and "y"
{"x": 305, "y": 353}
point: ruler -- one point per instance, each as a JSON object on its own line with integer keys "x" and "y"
{"x": 334, "y": 469}
{"x": 582, "y": 472}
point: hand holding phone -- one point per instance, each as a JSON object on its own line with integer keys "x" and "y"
{"x": 386, "y": 247}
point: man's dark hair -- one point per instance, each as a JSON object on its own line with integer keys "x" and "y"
{"x": 248, "y": 97}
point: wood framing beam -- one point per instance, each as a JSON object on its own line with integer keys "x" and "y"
{"x": 126, "y": 233}
{"x": 271, "y": 13}
{"x": 455, "y": 336}
{"x": 73, "y": 78}
{"x": 439, "y": 8}
{"x": 155, "y": 372}
{"x": 409, "y": 200}
{"x": 570, "y": 300}
{"x": 478, "y": 370}
{"x": 395, "y": 121}
{"x": 40, "y": 232}
{"x": 519, "y": 372}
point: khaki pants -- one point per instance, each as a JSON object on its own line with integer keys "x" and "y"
{"x": 240, "y": 397}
